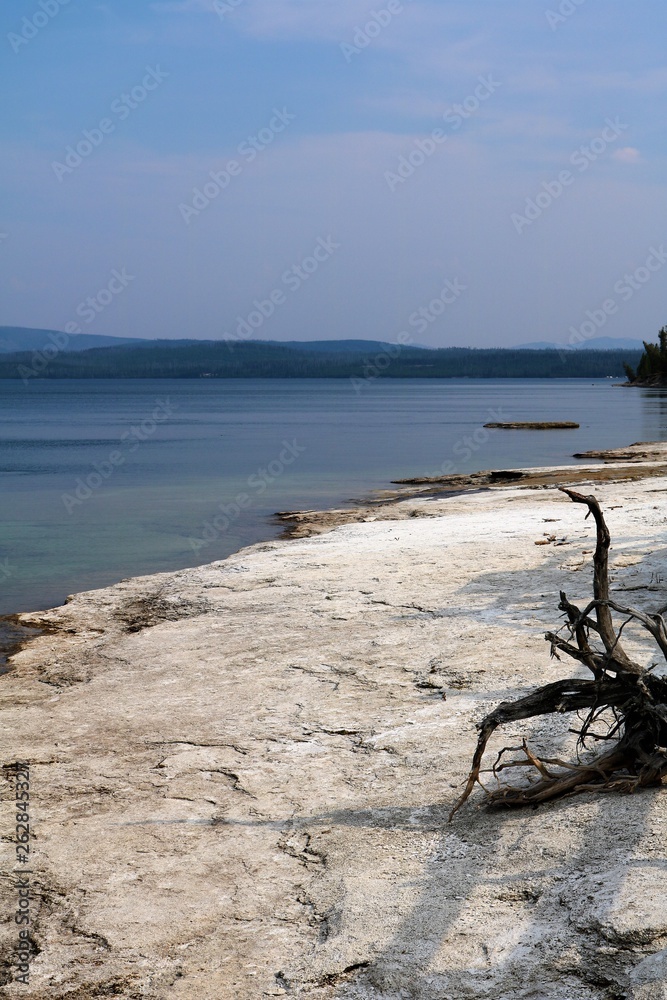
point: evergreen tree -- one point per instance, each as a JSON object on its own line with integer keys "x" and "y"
{"x": 653, "y": 362}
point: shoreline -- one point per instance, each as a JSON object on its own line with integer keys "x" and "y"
{"x": 636, "y": 461}
{"x": 97, "y": 537}
{"x": 619, "y": 464}
{"x": 242, "y": 771}
{"x": 13, "y": 638}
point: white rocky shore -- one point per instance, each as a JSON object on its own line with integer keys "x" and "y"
{"x": 241, "y": 773}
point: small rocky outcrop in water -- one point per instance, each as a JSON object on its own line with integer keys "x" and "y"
{"x": 536, "y": 425}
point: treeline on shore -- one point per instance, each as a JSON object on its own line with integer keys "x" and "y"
{"x": 244, "y": 359}
{"x": 652, "y": 367}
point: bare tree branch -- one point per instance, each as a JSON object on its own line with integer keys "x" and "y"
{"x": 636, "y": 699}
{"x": 601, "y": 583}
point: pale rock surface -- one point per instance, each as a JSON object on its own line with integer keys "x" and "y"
{"x": 241, "y": 773}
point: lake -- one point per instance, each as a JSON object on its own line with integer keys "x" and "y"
{"x": 108, "y": 479}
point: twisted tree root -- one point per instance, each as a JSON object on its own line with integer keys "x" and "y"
{"x": 633, "y": 698}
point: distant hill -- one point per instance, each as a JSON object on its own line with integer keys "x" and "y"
{"x": 22, "y": 338}
{"x": 17, "y": 339}
{"x": 594, "y": 344}
{"x": 14, "y": 339}
{"x": 90, "y": 356}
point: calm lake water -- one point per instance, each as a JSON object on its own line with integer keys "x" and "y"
{"x": 108, "y": 479}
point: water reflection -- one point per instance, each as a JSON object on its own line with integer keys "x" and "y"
{"x": 654, "y": 405}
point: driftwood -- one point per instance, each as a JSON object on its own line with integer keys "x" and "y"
{"x": 628, "y": 700}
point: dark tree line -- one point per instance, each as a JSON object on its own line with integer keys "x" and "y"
{"x": 652, "y": 367}
{"x": 245, "y": 359}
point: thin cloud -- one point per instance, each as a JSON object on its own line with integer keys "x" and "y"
{"x": 652, "y": 81}
{"x": 333, "y": 20}
{"x": 628, "y": 154}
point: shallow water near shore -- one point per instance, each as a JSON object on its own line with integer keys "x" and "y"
{"x": 108, "y": 479}
{"x": 12, "y": 637}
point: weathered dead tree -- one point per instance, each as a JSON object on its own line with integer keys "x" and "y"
{"x": 626, "y": 699}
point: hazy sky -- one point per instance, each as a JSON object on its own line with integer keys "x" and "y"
{"x": 482, "y": 105}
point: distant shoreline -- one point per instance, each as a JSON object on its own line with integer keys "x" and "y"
{"x": 255, "y": 359}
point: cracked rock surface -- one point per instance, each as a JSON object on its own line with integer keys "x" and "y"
{"x": 241, "y": 773}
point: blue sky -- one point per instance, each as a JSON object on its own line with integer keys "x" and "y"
{"x": 340, "y": 94}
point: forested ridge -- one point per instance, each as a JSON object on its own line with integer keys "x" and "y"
{"x": 243, "y": 359}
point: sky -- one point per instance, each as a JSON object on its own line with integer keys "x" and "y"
{"x": 466, "y": 173}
